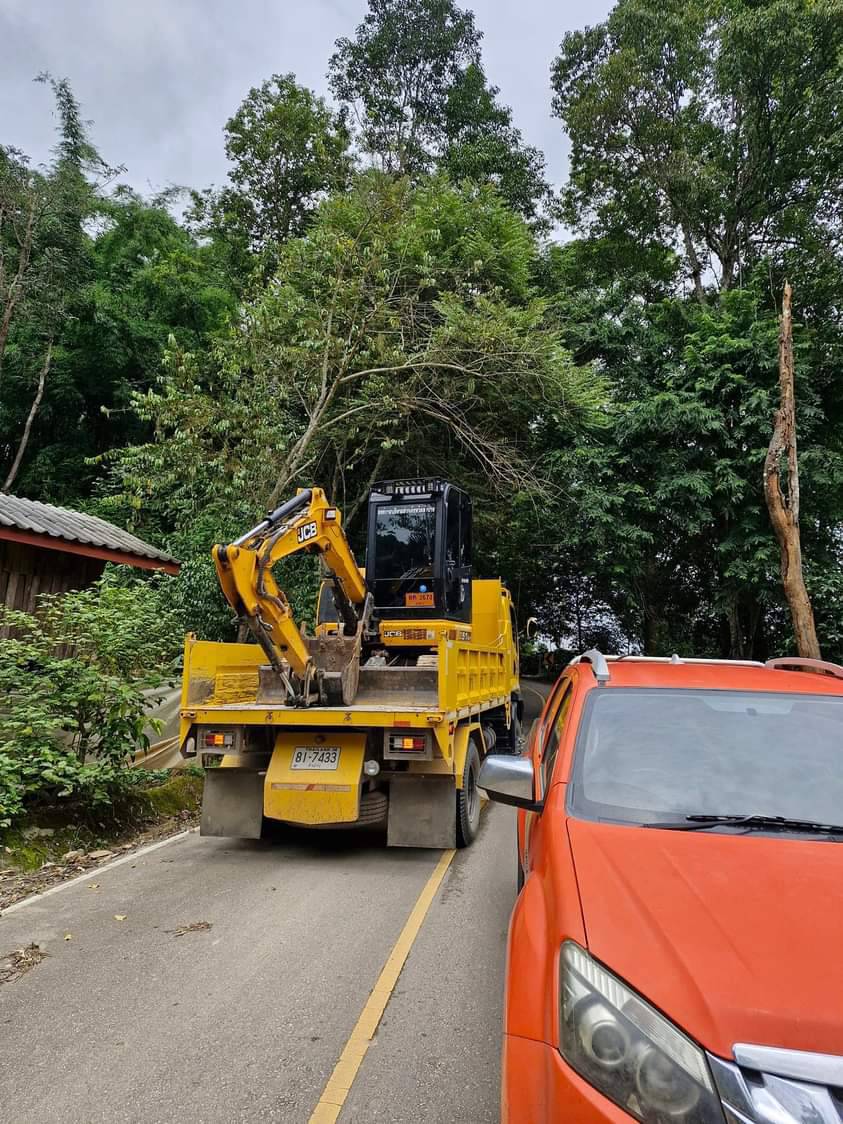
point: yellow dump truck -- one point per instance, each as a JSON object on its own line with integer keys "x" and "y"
{"x": 384, "y": 715}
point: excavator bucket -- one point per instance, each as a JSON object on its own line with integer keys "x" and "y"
{"x": 337, "y": 660}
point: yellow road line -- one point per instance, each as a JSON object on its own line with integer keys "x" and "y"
{"x": 335, "y": 1092}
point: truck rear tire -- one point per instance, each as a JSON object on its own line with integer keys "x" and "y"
{"x": 468, "y": 799}
{"x": 516, "y": 734}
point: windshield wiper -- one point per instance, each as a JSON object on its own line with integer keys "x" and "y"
{"x": 770, "y": 823}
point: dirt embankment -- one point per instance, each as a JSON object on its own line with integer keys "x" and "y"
{"x": 41, "y": 854}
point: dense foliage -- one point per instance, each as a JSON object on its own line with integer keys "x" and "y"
{"x": 378, "y": 289}
{"x": 76, "y": 685}
{"x": 413, "y": 78}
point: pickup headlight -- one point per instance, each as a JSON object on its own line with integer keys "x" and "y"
{"x": 627, "y": 1050}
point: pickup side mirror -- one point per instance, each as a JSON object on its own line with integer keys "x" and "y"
{"x": 509, "y": 780}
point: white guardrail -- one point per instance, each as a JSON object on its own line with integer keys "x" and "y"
{"x": 163, "y": 752}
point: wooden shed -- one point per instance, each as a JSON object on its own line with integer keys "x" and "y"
{"x": 47, "y": 549}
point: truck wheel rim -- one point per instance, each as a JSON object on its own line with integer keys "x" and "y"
{"x": 473, "y": 796}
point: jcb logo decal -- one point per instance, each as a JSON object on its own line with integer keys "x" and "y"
{"x": 307, "y": 532}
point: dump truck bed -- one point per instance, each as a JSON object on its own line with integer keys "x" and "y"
{"x": 467, "y": 679}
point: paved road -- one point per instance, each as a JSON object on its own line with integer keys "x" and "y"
{"x": 245, "y": 1020}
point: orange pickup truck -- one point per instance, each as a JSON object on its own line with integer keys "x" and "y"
{"x": 675, "y": 949}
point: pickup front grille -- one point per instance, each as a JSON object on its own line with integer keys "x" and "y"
{"x": 757, "y": 1096}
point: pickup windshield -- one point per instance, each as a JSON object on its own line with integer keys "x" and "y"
{"x": 645, "y": 756}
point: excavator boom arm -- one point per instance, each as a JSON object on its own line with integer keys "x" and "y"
{"x": 305, "y": 523}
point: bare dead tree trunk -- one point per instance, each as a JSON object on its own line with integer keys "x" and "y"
{"x": 784, "y": 506}
{"x": 27, "y": 429}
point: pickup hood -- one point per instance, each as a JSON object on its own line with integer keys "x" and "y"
{"x": 736, "y": 938}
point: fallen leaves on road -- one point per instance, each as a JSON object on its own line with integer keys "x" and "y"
{"x": 120, "y": 916}
{"x": 193, "y": 927}
{"x": 15, "y": 964}
{"x": 68, "y": 936}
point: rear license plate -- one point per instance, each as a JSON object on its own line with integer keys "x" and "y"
{"x": 316, "y": 757}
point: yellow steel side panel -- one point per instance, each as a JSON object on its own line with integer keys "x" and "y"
{"x": 203, "y": 659}
{"x": 217, "y": 673}
{"x": 491, "y": 605}
{"x": 471, "y": 676}
{"x": 317, "y": 796}
{"x": 487, "y": 608}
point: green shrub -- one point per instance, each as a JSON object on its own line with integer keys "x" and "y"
{"x": 76, "y": 682}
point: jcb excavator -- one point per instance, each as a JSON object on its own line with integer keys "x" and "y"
{"x": 322, "y": 669}
{"x": 386, "y": 712}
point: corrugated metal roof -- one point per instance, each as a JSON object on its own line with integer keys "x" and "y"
{"x": 73, "y": 526}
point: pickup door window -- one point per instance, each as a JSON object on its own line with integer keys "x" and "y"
{"x": 552, "y": 736}
{"x": 546, "y": 746}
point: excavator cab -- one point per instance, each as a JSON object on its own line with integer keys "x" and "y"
{"x": 418, "y": 562}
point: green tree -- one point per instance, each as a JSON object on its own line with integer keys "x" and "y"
{"x": 287, "y": 150}
{"x": 664, "y": 512}
{"x": 397, "y": 74}
{"x": 714, "y": 126}
{"x": 43, "y": 262}
{"x": 413, "y": 78}
{"x": 145, "y": 278}
{"x": 403, "y": 335}
{"x": 704, "y": 135}
{"x": 482, "y": 144}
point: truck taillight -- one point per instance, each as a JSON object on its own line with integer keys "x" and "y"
{"x": 214, "y": 739}
{"x": 401, "y": 742}
{"x": 407, "y": 745}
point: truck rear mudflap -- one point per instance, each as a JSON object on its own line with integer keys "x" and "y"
{"x": 422, "y": 812}
{"x": 232, "y": 803}
{"x": 313, "y": 779}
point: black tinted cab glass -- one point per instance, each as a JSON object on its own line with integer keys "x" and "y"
{"x": 405, "y": 539}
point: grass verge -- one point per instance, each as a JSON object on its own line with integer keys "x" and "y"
{"x": 59, "y": 843}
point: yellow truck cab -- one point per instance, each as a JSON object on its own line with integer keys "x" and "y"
{"x": 435, "y": 691}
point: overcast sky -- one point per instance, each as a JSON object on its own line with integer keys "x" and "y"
{"x": 159, "y": 78}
